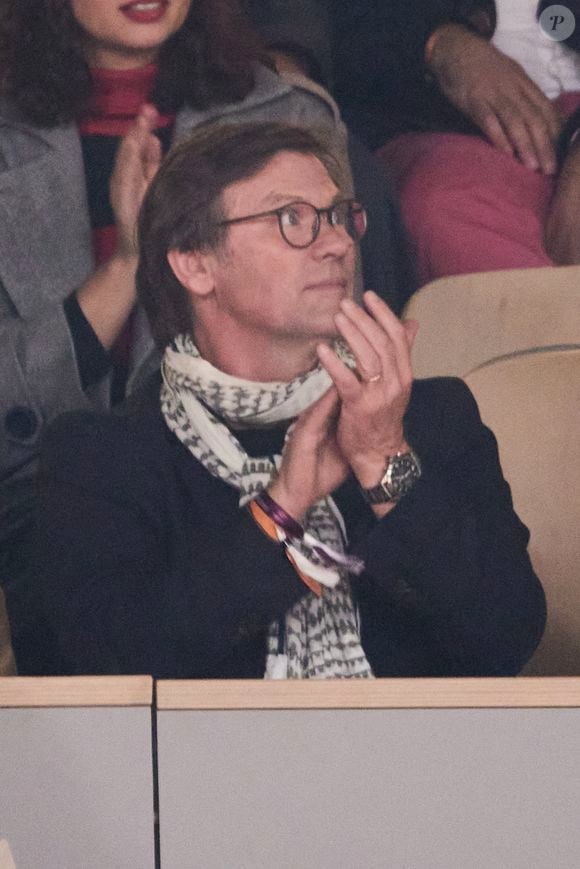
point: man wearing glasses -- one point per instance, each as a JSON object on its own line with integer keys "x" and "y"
{"x": 283, "y": 501}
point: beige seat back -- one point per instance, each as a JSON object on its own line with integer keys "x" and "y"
{"x": 532, "y": 403}
{"x": 468, "y": 319}
{"x": 7, "y": 663}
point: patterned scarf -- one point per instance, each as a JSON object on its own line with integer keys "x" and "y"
{"x": 319, "y": 637}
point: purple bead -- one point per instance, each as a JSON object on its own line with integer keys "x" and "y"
{"x": 279, "y": 516}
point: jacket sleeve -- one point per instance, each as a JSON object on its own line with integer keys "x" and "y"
{"x": 133, "y": 581}
{"x": 457, "y": 548}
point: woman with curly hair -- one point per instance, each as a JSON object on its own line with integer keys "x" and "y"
{"x": 91, "y": 94}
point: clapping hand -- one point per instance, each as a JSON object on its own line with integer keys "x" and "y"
{"x": 136, "y": 163}
{"x": 359, "y": 421}
{"x": 312, "y": 465}
{"x": 372, "y": 405}
{"x": 107, "y": 297}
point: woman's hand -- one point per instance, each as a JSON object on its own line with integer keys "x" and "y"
{"x": 497, "y": 95}
{"x": 136, "y": 163}
{"x": 563, "y": 223}
{"x": 108, "y": 296}
{"x": 370, "y": 423}
{"x": 312, "y": 465}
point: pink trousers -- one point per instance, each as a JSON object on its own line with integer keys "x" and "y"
{"x": 467, "y": 206}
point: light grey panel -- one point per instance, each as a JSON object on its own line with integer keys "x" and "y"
{"x": 370, "y": 789}
{"x": 76, "y": 788}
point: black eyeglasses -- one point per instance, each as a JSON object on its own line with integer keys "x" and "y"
{"x": 300, "y": 222}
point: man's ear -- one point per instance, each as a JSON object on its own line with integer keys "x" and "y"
{"x": 193, "y": 269}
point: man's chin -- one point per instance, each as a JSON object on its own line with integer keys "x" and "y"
{"x": 324, "y": 332}
{"x": 318, "y": 312}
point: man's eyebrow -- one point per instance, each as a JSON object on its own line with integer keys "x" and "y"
{"x": 274, "y": 199}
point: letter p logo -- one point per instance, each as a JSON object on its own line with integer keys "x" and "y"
{"x": 557, "y": 22}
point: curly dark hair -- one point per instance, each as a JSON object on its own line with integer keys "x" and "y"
{"x": 43, "y": 72}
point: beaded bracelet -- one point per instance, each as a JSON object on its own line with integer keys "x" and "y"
{"x": 327, "y": 555}
{"x": 279, "y": 516}
{"x": 271, "y": 530}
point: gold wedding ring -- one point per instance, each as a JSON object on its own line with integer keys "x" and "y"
{"x": 364, "y": 379}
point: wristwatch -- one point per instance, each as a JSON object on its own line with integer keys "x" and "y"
{"x": 402, "y": 472}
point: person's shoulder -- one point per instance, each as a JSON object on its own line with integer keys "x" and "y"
{"x": 313, "y": 94}
{"x": 443, "y": 415}
{"x": 442, "y": 395}
{"x": 22, "y": 141}
{"x": 12, "y": 117}
{"x": 274, "y": 97}
{"x": 289, "y": 97}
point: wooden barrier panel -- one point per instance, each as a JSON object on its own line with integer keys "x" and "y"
{"x": 388, "y": 774}
{"x": 76, "y": 773}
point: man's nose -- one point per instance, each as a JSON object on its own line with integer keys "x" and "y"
{"x": 332, "y": 240}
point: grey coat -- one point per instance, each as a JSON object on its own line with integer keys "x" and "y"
{"x": 46, "y": 253}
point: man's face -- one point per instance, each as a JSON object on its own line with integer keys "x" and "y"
{"x": 272, "y": 290}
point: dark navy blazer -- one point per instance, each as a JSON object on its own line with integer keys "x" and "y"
{"x": 144, "y": 563}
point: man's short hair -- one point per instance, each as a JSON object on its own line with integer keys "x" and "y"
{"x": 184, "y": 206}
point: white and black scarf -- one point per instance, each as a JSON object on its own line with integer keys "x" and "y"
{"x": 321, "y": 634}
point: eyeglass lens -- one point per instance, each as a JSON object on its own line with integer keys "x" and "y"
{"x": 300, "y": 221}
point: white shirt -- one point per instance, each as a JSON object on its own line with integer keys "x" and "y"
{"x": 552, "y": 65}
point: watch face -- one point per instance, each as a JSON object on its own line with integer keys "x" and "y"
{"x": 402, "y": 472}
